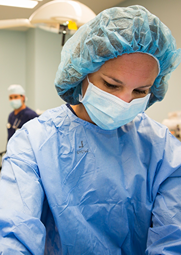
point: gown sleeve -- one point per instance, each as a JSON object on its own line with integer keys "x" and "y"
{"x": 164, "y": 237}
{"x": 21, "y": 200}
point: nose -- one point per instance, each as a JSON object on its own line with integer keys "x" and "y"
{"x": 125, "y": 96}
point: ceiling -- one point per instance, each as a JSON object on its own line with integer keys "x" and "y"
{"x": 18, "y": 13}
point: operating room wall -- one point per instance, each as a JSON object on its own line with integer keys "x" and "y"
{"x": 29, "y": 58}
{"x": 169, "y": 13}
{"x": 12, "y": 71}
{"x": 43, "y": 58}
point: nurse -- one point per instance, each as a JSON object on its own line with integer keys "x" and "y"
{"x": 97, "y": 175}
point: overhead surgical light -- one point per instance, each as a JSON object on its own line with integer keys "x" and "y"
{"x": 62, "y": 16}
{"x": 58, "y": 16}
{"x": 19, "y": 3}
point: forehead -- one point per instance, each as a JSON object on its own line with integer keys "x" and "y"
{"x": 137, "y": 61}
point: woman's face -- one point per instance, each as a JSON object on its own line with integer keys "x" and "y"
{"x": 128, "y": 76}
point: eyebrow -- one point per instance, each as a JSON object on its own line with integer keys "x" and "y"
{"x": 118, "y": 81}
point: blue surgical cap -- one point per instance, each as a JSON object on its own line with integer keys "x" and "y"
{"x": 114, "y": 32}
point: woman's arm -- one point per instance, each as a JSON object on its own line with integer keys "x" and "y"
{"x": 164, "y": 237}
{"x": 21, "y": 200}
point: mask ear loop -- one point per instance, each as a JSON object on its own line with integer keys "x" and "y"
{"x": 81, "y": 95}
{"x": 88, "y": 78}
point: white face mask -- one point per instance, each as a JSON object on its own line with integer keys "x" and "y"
{"x": 16, "y": 103}
{"x": 108, "y": 111}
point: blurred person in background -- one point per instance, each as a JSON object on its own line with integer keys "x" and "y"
{"x": 21, "y": 113}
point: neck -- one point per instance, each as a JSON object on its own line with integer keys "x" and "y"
{"x": 81, "y": 112}
{"x": 16, "y": 111}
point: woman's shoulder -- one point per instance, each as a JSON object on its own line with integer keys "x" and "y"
{"x": 150, "y": 129}
{"x": 52, "y": 114}
{"x": 49, "y": 120}
{"x": 146, "y": 121}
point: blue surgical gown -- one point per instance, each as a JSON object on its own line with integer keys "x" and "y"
{"x": 68, "y": 187}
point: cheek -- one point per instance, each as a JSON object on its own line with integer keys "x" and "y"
{"x": 84, "y": 86}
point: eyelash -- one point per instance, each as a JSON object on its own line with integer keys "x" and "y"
{"x": 140, "y": 91}
{"x": 115, "y": 87}
{"x": 110, "y": 85}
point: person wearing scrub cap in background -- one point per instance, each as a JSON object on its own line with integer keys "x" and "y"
{"x": 103, "y": 178}
{"x": 21, "y": 113}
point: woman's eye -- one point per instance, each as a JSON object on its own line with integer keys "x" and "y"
{"x": 140, "y": 91}
{"x": 110, "y": 85}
